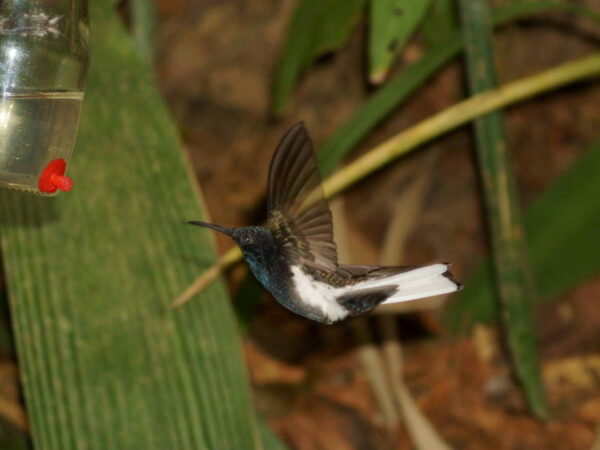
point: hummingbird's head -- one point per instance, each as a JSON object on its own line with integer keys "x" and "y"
{"x": 253, "y": 241}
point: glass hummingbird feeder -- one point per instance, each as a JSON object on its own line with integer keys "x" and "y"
{"x": 43, "y": 62}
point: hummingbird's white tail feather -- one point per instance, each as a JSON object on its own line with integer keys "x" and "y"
{"x": 418, "y": 283}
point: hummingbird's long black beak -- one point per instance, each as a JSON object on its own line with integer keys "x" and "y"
{"x": 212, "y": 226}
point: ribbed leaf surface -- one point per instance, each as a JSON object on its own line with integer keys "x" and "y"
{"x": 105, "y": 363}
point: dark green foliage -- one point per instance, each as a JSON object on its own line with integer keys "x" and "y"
{"x": 317, "y": 27}
{"x": 392, "y": 94}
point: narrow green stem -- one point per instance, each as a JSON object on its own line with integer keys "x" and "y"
{"x": 143, "y": 13}
{"x": 511, "y": 262}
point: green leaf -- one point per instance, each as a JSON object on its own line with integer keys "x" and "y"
{"x": 317, "y": 27}
{"x": 564, "y": 243}
{"x": 511, "y": 263}
{"x": 528, "y": 7}
{"x": 389, "y": 97}
{"x": 439, "y": 23}
{"x": 391, "y": 23}
{"x": 105, "y": 363}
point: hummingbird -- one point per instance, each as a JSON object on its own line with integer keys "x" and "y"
{"x": 294, "y": 255}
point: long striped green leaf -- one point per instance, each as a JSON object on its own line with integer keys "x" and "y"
{"x": 105, "y": 363}
{"x": 511, "y": 263}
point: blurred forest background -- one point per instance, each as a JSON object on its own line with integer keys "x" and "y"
{"x": 215, "y": 65}
{"x": 437, "y": 374}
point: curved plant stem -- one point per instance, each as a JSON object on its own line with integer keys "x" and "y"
{"x": 426, "y": 130}
{"x": 229, "y": 258}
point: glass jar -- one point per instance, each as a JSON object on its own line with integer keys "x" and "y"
{"x": 44, "y": 56}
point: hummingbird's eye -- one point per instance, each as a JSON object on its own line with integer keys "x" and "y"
{"x": 245, "y": 239}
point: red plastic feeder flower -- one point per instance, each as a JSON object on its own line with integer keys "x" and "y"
{"x": 53, "y": 177}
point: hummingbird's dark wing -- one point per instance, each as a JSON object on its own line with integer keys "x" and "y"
{"x": 299, "y": 215}
{"x": 361, "y": 273}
